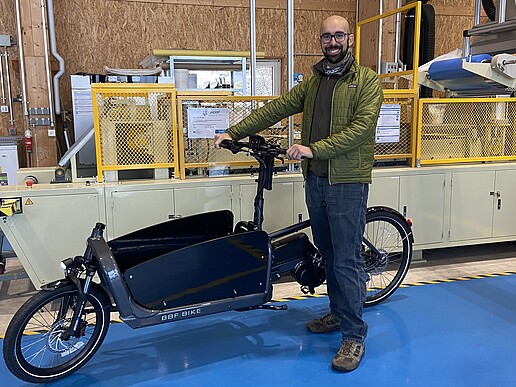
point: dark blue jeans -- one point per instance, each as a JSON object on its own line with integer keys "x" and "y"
{"x": 337, "y": 216}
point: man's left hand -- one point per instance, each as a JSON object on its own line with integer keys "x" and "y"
{"x": 298, "y": 152}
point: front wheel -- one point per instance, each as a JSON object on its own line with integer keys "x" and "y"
{"x": 35, "y": 348}
{"x": 387, "y": 252}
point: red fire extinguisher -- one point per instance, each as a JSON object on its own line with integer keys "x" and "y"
{"x": 28, "y": 141}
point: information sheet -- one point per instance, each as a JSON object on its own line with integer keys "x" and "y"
{"x": 206, "y": 122}
{"x": 388, "y": 126}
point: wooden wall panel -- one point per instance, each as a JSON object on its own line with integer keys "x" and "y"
{"x": 128, "y": 31}
{"x": 8, "y": 27}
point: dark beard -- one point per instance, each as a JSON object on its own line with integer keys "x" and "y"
{"x": 335, "y": 59}
{"x": 338, "y": 58}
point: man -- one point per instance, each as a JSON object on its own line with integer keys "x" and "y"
{"x": 340, "y": 105}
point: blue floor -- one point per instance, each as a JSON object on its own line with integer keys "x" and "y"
{"x": 450, "y": 334}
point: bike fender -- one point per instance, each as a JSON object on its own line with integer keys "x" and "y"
{"x": 68, "y": 281}
{"x": 57, "y": 284}
{"x": 397, "y": 214}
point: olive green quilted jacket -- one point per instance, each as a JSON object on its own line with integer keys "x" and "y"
{"x": 357, "y": 99}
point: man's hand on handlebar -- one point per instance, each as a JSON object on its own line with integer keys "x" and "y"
{"x": 219, "y": 138}
{"x": 299, "y": 152}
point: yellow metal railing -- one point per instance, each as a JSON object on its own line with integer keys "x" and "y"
{"x": 134, "y": 127}
{"x": 400, "y": 89}
{"x": 148, "y": 126}
{"x": 458, "y": 130}
{"x": 198, "y": 150}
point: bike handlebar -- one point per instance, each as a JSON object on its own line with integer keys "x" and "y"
{"x": 256, "y": 145}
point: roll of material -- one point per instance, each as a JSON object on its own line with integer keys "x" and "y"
{"x": 192, "y": 81}
{"x": 451, "y": 75}
{"x": 222, "y": 53}
{"x": 181, "y": 78}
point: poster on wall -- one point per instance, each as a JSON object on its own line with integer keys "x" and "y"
{"x": 207, "y": 122}
{"x": 388, "y": 126}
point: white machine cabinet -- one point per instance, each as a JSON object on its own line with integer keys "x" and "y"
{"x": 422, "y": 198}
{"x": 384, "y": 191}
{"x": 451, "y": 206}
{"x": 195, "y": 200}
{"x": 54, "y": 225}
{"x": 137, "y": 206}
{"x": 482, "y": 205}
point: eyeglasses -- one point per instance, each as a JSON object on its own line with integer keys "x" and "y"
{"x": 339, "y": 36}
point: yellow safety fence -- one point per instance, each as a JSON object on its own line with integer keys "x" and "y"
{"x": 152, "y": 126}
{"x": 200, "y": 117}
{"x": 134, "y": 127}
{"x": 396, "y": 136}
{"x": 458, "y": 130}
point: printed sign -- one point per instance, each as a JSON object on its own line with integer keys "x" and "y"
{"x": 388, "y": 126}
{"x": 206, "y": 122}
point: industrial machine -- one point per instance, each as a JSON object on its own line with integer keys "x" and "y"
{"x": 487, "y": 65}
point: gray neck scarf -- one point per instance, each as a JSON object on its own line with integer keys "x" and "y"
{"x": 342, "y": 67}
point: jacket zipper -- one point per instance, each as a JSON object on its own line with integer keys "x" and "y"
{"x": 331, "y": 117}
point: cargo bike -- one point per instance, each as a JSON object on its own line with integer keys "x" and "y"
{"x": 185, "y": 268}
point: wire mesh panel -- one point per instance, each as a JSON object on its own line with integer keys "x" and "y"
{"x": 397, "y": 81}
{"x": 134, "y": 126}
{"x": 399, "y": 145}
{"x": 198, "y": 128}
{"x": 465, "y": 130}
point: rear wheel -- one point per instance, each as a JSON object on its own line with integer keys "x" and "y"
{"x": 387, "y": 252}
{"x": 35, "y": 346}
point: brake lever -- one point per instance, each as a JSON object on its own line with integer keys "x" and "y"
{"x": 227, "y": 144}
{"x": 230, "y": 145}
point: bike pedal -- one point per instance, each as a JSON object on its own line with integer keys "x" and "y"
{"x": 307, "y": 289}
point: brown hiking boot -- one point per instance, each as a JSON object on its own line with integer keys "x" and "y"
{"x": 328, "y": 323}
{"x": 349, "y": 356}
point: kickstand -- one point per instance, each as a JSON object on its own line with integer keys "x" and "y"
{"x": 268, "y": 307}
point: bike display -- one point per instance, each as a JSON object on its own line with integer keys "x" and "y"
{"x": 186, "y": 268}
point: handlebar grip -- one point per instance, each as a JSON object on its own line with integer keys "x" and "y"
{"x": 226, "y": 144}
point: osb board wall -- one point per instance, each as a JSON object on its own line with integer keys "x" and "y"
{"x": 119, "y": 33}
{"x": 95, "y": 33}
{"x": 8, "y": 27}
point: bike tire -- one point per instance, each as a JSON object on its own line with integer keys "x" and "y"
{"x": 390, "y": 234}
{"x": 33, "y": 347}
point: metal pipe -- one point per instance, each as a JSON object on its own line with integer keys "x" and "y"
{"x": 502, "y": 8}
{"x": 55, "y": 54}
{"x": 2, "y": 79}
{"x": 380, "y": 28}
{"x": 478, "y": 5}
{"x": 9, "y": 94}
{"x": 22, "y": 65}
{"x": 252, "y": 10}
{"x": 398, "y": 34}
{"x": 290, "y": 63}
{"x": 466, "y": 48}
{"x": 47, "y": 61}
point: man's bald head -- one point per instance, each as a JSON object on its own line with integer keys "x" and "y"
{"x": 334, "y": 23}
{"x": 336, "y": 38}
